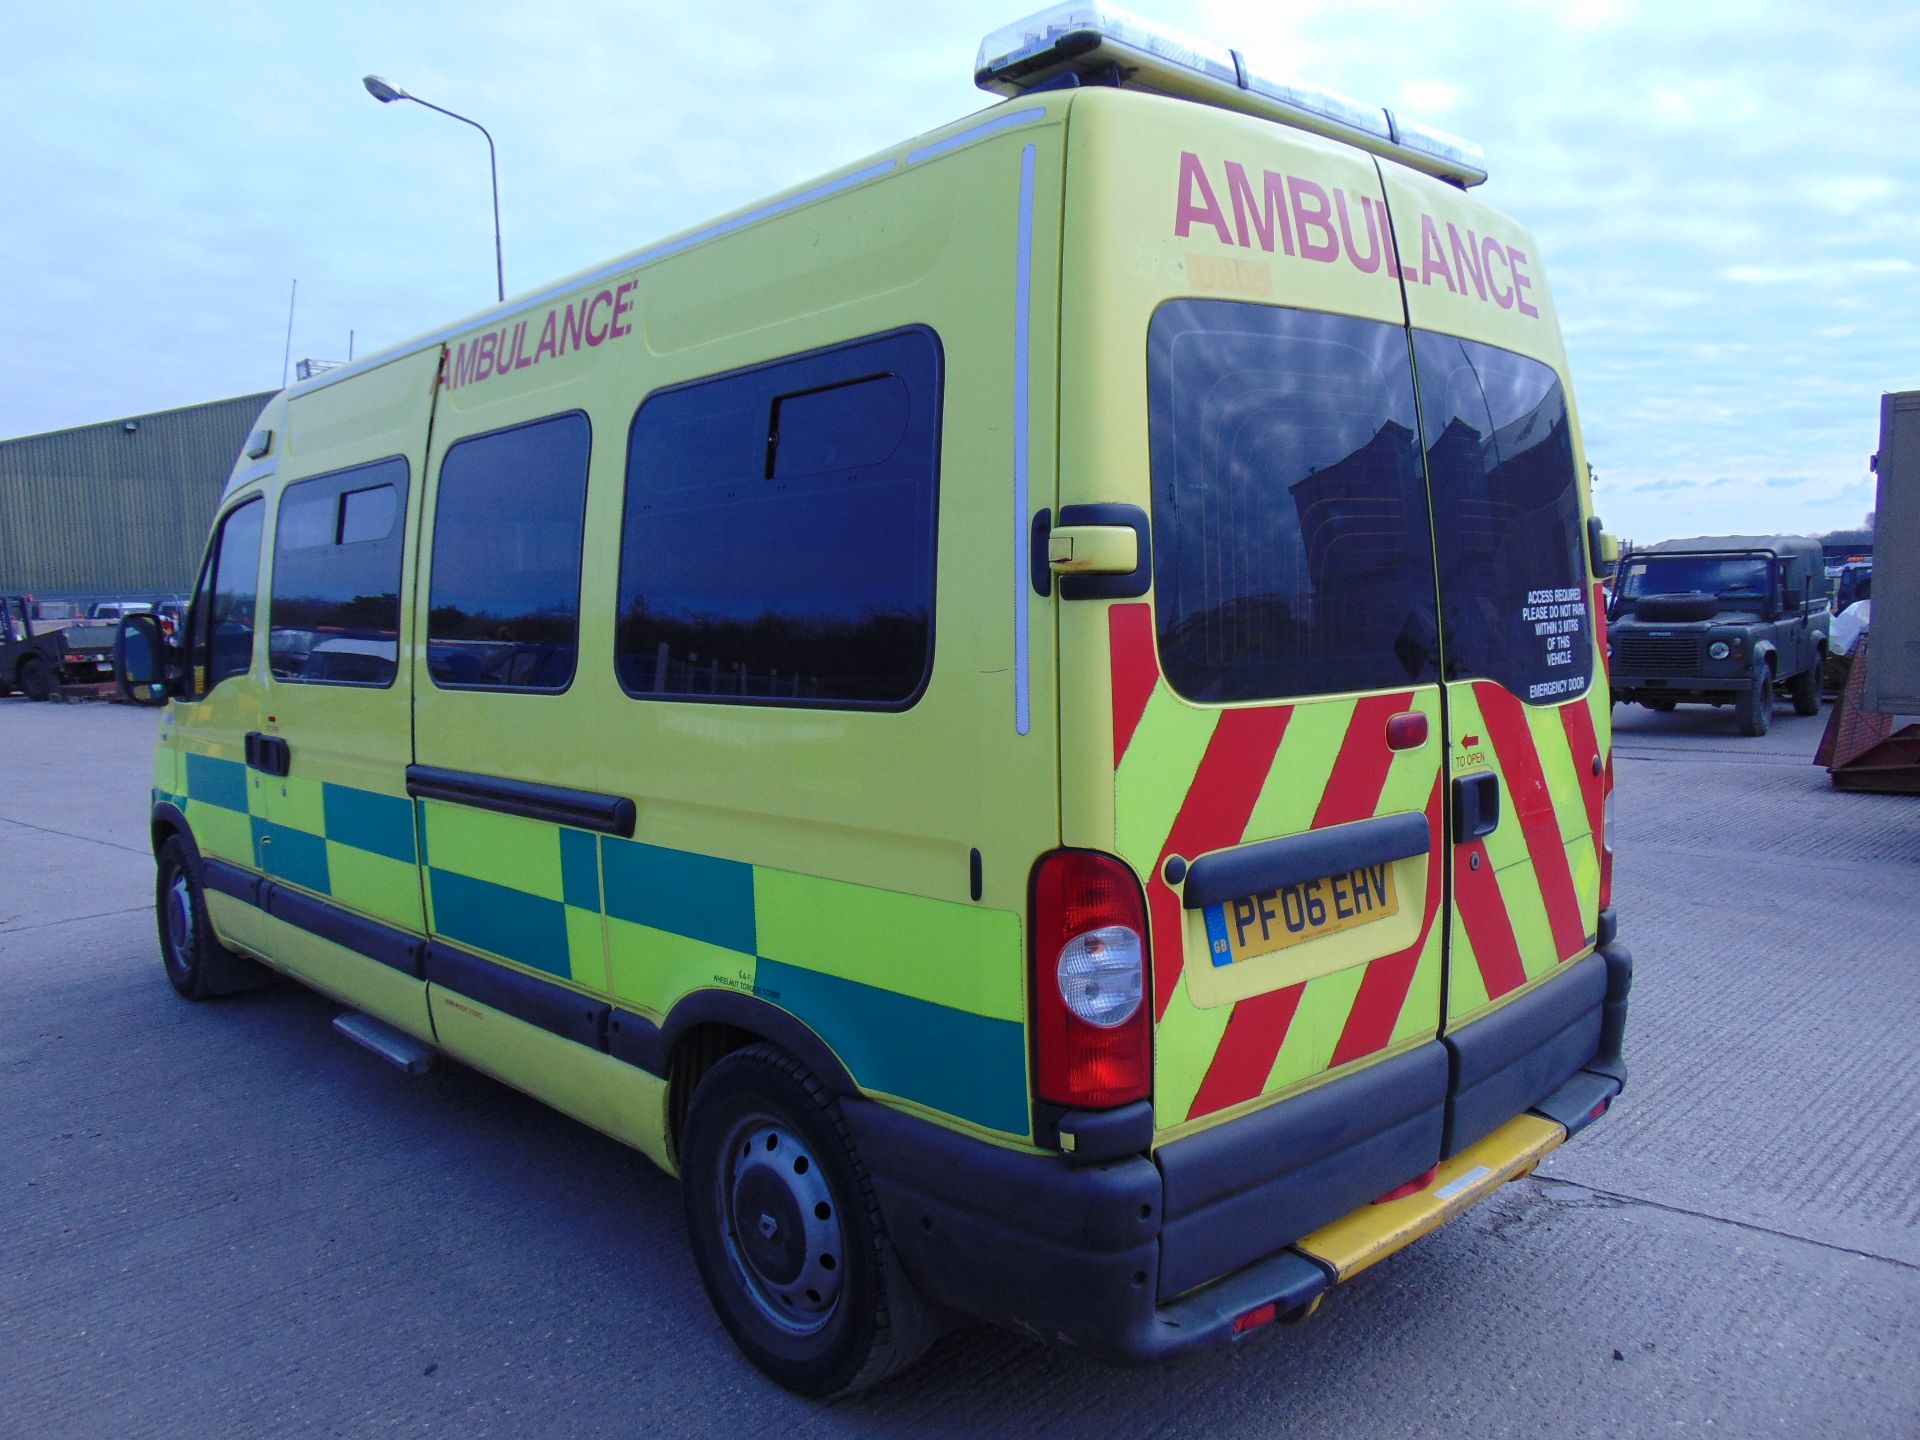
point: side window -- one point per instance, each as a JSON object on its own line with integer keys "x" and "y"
{"x": 335, "y": 612}
{"x": 778, "y": 540}
{"x": 503, "y": 607}
{"x": 223, "y": 608}
{"x": 1292, "y": 554}
{"x": 1514, "y": 603}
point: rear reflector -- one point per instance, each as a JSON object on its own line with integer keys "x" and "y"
{"x": 1255, "y": 1318}
{"x": 1407, "y": 730}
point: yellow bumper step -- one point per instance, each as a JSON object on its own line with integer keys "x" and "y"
{"x": 1373, "y": 1232}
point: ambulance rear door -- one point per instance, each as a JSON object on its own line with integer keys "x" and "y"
{"x": 1257, "y": 733}
{"x": 1527, "y": 698}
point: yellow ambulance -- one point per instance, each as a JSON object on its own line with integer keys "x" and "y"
{"x": 1027, "y": 717}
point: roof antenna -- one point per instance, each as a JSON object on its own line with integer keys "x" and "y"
{"x": 287, "y": 358}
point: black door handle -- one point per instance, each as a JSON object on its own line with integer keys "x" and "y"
{"x": 268, "y": 754}
{"x": 1476, "y": 806}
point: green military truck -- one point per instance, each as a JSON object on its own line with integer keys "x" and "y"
{"x": 1721, "y": 620}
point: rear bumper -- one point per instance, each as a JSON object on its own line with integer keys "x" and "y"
{"x": 1140, "y": 1258}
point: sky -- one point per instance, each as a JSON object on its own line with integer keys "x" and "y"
{"x": 1725, "y": 196}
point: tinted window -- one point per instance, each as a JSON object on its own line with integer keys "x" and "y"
{"x": 335, "y": 616}
{"x": 223, "y": 612}
{"x": 1291, "y": 540}
{"x": 778, "y": 543}
{"x": 1512, "y": 558}
{"x": 503, "y": 608}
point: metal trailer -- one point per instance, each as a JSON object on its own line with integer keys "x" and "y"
{"x": 1865, "y": 747}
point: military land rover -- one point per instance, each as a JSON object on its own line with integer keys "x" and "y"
{"x": 1721, "y": 620}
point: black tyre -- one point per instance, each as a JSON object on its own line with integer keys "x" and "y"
{"x": 198, "y": 966}
{"x": 1663, "y": 707}
{"x": 35, "y": 678}
{"x": 1805, "y": 688}
{"x": 787, "y": 1233}
{"x": 1754, "y": 710}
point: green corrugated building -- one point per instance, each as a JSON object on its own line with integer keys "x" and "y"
{"x": 121, "y": 508}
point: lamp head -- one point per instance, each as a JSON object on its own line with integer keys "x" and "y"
{"x": 383, "y": 91}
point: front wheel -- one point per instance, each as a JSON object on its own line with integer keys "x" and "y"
{"x": 35, "y": 678}
{"x": 198, "y": 966}
{"x": 1805, "y": 688}
{"x": 787, "y": 1233}
{"x": 1754, "y": 709}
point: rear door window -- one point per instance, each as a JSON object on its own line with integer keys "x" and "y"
{"x": 1292, "y": 544}
{"x": 1513, "y": 593}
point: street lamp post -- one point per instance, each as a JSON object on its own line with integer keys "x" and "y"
{"x": 386, "y": 92}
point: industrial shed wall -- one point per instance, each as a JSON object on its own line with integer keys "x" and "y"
{"x": 104, "y": 510}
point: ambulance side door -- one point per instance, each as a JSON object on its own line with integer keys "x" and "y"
{"x": 339, "y": 824}
{"x": 219, "y": 706}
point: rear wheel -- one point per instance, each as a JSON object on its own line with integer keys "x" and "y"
{"x": 198, "y": 966}
{"x": 1664, "y": 707}
{"x": 35, "y": 678}
{"x": 1805, "y": 688}
{"x": 1754, "y": 710}
{"x": 787, "y": 1233}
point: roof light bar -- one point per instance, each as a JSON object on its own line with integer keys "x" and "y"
{"x": 1102, "y": 44}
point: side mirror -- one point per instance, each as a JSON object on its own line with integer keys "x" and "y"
{"x": 1603, "y": 547}
{"x": 139, "y": 661}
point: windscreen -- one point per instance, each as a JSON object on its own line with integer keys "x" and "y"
{"x": 1292, "y": 544}
{"x": 1725, "y": 576}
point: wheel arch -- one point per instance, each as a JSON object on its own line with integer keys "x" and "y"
{"x": 708, "y": 1025}
{"x": 164, "y": 823}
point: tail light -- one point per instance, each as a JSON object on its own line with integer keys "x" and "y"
{"x": 1606, "y": 840}
{"x": 1092, "y": 1039}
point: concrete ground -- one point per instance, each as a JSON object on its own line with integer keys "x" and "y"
{"x": 221, "y": 1220}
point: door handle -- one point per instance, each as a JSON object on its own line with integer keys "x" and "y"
{"x": 1476, "y": 806}
{"x": 268, "y": 754}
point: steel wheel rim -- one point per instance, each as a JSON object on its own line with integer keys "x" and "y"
{"x": 780, "y": 1225}
{"x": 179, "y": 921}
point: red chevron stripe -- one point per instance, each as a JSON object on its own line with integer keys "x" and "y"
{"x": 1255, "y": 1032}
{"x": 1506, "y": 720}
{"x": 1583, "y": 744}
{"x": 1360, "y": 769}
{"x": 1212, "y": 817}
{"x": 1135, "y": 670}
{"x": 1383, "y": 991}
{"x": 1476, "y": 895}
{"x": 1244, "y": 1058}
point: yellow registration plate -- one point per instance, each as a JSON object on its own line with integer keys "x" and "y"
{"x": 1261, "y": 924}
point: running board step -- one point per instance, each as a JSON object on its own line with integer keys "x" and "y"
{"x": 396, "y": 1047}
